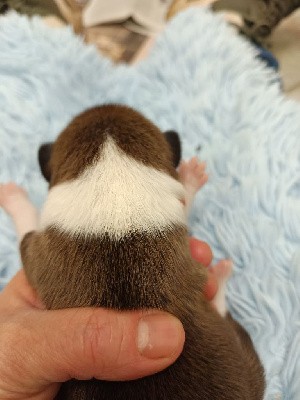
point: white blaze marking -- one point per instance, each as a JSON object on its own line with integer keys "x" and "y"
{"x": 116, "y": 195}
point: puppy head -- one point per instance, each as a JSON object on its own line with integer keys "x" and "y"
{"x": 81, "y": 142}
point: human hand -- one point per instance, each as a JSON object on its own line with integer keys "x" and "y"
{"x": 201, "y": 252}
{"x": 42, "y": 348}
{"x": 217, "y": 275}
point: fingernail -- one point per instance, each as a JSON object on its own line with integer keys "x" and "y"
{"x": 159, "y": 336}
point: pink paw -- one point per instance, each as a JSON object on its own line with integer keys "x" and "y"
{"x": 192, "y": 175}
{"x": 11, "y": 195}
{"x": 222, "y": 270}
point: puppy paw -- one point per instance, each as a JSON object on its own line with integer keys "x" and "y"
{"x": 192, "y": 175}
{"x": 222, "y": 270}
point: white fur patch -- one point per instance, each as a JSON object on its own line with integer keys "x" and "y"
{"x": 117, "y": 195}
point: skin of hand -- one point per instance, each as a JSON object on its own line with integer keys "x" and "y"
{"x": 42, "y": 348}
{"x": 202, "y": 253}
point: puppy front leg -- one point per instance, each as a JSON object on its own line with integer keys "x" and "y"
{"x": 14, "y": 200}
{"x": 193, "y": 176}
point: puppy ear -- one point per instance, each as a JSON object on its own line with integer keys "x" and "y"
{"x": 44, "y": 158}
{"x": 175, "y": 145}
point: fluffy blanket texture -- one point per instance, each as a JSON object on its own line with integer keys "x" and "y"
{"x": 204, "y": 81}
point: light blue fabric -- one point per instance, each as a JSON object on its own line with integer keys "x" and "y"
{"x": 202, "y": 80}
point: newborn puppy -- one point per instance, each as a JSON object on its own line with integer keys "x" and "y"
{"x": 113, "y": 233}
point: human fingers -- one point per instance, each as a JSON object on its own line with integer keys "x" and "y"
{"x": 200, "y": 251}
{"x": 85, "y": 343}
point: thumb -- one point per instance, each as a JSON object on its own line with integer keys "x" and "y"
{"x": 105, "y": 344}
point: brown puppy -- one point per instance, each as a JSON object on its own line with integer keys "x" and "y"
{"x": 113, "y": 234}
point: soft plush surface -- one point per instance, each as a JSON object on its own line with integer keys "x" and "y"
{"x": 203, "y": 81}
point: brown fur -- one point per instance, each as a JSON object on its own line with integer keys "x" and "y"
{"x": 140, "y": 271}
{"x": 78, "y": 146}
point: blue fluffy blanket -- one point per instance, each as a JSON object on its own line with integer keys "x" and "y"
{"x": 204, "y": 81}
